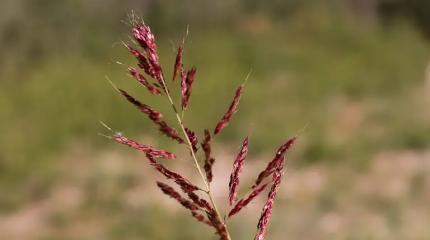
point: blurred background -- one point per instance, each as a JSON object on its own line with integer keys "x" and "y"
{"x": 355, "y": 71}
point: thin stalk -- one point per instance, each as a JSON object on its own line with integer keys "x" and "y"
{"x": 190, "y": 147}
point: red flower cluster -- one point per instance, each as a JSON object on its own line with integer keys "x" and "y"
{"x": 202, "y": 208}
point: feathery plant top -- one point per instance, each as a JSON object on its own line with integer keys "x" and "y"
{"x": 196, "y": 199}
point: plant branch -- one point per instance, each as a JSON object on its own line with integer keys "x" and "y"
{"x": 190, "y": 147}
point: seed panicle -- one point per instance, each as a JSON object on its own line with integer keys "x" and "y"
{"x": 202, "y": 208}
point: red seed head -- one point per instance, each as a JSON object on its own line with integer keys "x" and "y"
{"x": 266, "y": 214}
{"x": 148, "y": 61}
{"x": 166, "y": 189}
{"x": 275, "y": 162}
{"x": 143, "y": 35}
{"x": 193, "y": 207}
{"x": 142, "y": 80}
{"x": 144, "y": 148}
{"x": 154, "y": 115}
{"x": 230, "y": 112}
{"x": 182, "y": 182}
{"x": 179, "y": 67}
{"x": 143, "y": 62}
{"x": 169, "y": 131}
{"x": 237, "y": 168}
{"x": 193, "y": 138}
{"x": 186, "y": 85}
{"x": 202, "y": 203}
{"x": 199, "y": 217}
{"x": 209, "y": 161}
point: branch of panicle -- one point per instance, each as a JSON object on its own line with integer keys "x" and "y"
{"x": 237, "y": 168}
{"x": 242, "y": 203}
{"x": 186, "y": 86}
{"x": 209, "y": 160}
{"x": 143, "y": 35}
{"x": 142, "y": 80}
{"x": 155, "y": 116}
{"x": 182, "y": 182}
{"x": 266, "y": 214}
{"x": 193, "y": 139}
{"x": 156, "y": 153}
{"x": 194, "y": 209}
{"x": 230, "y": 112}
{"x": 271, "y": 166}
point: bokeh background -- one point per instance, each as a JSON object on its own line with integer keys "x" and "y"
{"x": 356, "y": 72}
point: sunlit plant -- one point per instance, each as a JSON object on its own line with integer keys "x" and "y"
{"x": 197, "y": 198}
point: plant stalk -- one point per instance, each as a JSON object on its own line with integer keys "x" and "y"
{"x": 196, "y": 163}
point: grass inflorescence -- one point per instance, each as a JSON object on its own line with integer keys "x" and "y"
{"x": 199, "y": 201}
